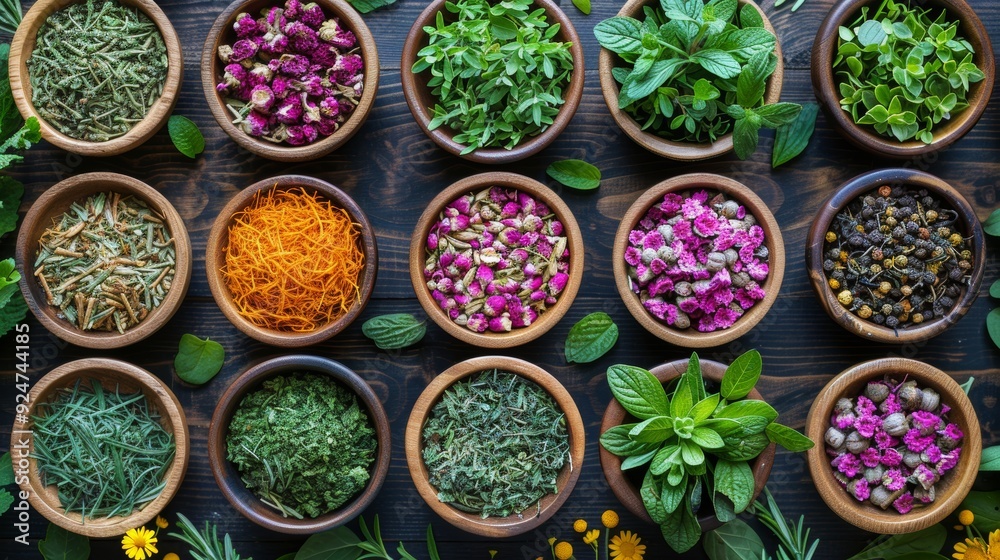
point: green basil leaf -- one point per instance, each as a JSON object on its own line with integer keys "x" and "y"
{"x": 984, "y": 506}
{"x": 734, "y": 541}
{"x": 654, "y": 430}
{"x": 617, "y": 441}
{"x": 197, "y": 360}
{"x": 620, "y": 35}
{"x": 931, "y": 538}
{"x": 993, "y": 326}
{"x": 791, "y": 139}
{"x": 60, "y": 544}
{"x": 576, "y": 174}
{"x": 6, "y": 469}
{"x": 583, "y": 6}
{"x": 638, "y": 391}
{"x": 394, "y": 331}
{"x": 735, "y": 480}
{"x": 995, "y": 290}
{"x": 365, "y": 6}
{"x": 650, "y": 492}
{"x": 11, "y": 191}
{"x": 748, "y": 408}
{"x": 186, "y": 136}
{"x": 788, "y": 438}
{"x": 339, "y": 543}
{"x": 992, "y": 224}
{"x": 741, "y": 376}
{"x": 989, "y": 462}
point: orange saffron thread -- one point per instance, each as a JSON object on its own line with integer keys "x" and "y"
{"x": 293, "y": 261}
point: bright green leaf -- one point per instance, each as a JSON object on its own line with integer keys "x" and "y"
{"x": 733, "y": 541}
{"x": 365, "y": 6}
{"x": 792, "y": 139}
{"x": 788, "y": 438}
{"x": 339, "y": 543}
{"x": 394, "y": 331}
{"x": 583, "y": 6}
{"x": 741, "y": 376}
{"x": 590, "y": 338}
{"x": 993, "y": 326}
{"x": 576, "y": 174}
{"x": 186, "y": 136}
{"x": 60, "y": 544}
{"x": 638, "y": 391}
{"x": 197, "y": 360}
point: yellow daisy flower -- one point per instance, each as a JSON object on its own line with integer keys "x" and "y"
{"x": 974, "y": 549}
{"x": 609, "y": 519}
{"x": 966, "y": 517}
{"x": 564, "y": 551}
{"x": 625, "y": 546}
{"x": 591, "y": 536}
{"x": 580, "y": 526}
{"x": 139, "y": 543}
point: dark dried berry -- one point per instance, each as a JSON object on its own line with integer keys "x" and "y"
{"x": 829, "y": 265}
{"x": 875, "y": 237}
{"x": 891, "y": 322}
{"x": 956, "y": 273}
{"x": 920, "y": 253}
{"x": 898, "y": 232}
{"x": 833, "y": 254}
{"x": 878, "y": 319}
{"x": 946, "y": 302}
{"x": 856, "y": 240}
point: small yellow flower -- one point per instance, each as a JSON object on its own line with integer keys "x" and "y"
{"x": 162, "y": 522}
{"x": 171, "y": 556}
{"x": 625, "y": 546}
{"x": 609, "y": 519}
{"x": 564, "y": 551}
{"x": 580, "y": 526}
{"x": 966, "y": 517}
{"x": 139, "y": 543}
{"x": 552, "y": 541}
{"x": 591, "y": 536}
{"x": 493, "y": 554}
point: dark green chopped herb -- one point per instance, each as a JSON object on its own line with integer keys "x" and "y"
{"x": 106, "y": 450}
{"x": 96, "y": 69}
{"x": 495, "y": 444}
{"x": 496, "y": 71}
{"x": 302, "y": 444}
{"x": 394, "y": 331}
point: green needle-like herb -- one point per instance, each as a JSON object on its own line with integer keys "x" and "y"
{"x": 106, "y": 451}
{"x": 794, "y": 541}
{"x": 495, "y": 444}
{"x": 205, "y": 545}
{"x": 10, "y": 15}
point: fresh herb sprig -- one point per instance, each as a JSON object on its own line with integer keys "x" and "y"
{"x": 10, "y": 16}
{"x": 793, "y": 539}
{"x": 205, "y": 545}
{"x": 496, "y": 71}
{"x": 341, "y": 543}
{"x": 991, "y": 227}
{"x": 696, "y": 444}
{"x": 695, "y": 71}
{"x": 903, "y": 71}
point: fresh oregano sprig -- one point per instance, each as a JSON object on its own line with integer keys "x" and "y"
{"x": 904, "y": 70}
{"x": 695, "y": 71}
{"x": 496, "y": 71}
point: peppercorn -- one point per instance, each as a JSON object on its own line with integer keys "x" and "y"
{"x": 917, "y": 318}
{"x": 884, "y": 287}
{"x": 865, "y": 312}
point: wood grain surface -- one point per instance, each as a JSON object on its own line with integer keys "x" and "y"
{"x": 393, "y": 170}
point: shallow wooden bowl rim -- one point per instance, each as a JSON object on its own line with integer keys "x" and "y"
{"x": 496, "y": 527}
{"x": 218, "y": 238}
{"x": 951, "y": 492}
{"x": 828, "y": 93}
{"x": 546, "y": 320}
{"x": 228, "y": 478}
{"x": 212, "y": 71}
{"x": 417, "y": 93}
{"x": 611, "y": 464}
{"x": 691, "y": 337}
{"x": 24, "y": 43}
{"x": 53, "y": 203}
{"x": 859, "y": 186}
{"x": 682, "y": 151}
{"x": 45, "y": 500}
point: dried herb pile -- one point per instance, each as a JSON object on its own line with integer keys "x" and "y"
{"x": 302, "y": 444}
{"x": 495, "y": 444}
{"x": 106, "y": 451}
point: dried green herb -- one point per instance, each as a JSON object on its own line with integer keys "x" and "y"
{"x": 107, "y": 263}
{"x": 96, "y": 69}
{"x": 904, "y": 70}
{"x": 186, "y": 136}
{"x": 106, "y": 450}
{"x": 302, "y": 444}
{"x": 496, "y": 71}
{"x": 205, "y": 545}
{"x": 575, "y": 174}
{"x": 197, "y": 360}
{"x": 495, "y": 444}
{"x": 590, "y": 338}
{"x": 394, "y": 331}
{"x": 792, "y": 138}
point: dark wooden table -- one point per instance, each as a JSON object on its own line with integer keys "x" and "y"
{"x": 393, "y": 170}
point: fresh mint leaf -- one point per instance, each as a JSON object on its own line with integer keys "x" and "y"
{"x": 590, "y": 338}
{"x": 750, "y": 17}
{"x": 12, "y": 313}
{"x": 394, "y": 331}
{"x": 6, "y": 470}
{"x": 990, "y": 460}
{"x": 791, "y": 139}
{"x": 788, "y": 438}
{"x": 777, "y": 114}
{"x": 681, "y": 530}
{"x": 186, "y": 136}
{"x": 11, "y": 192}
{"x": 741, "y": 376}
{"x": 735, "y": 480}
{"x": 659, "y": 72}
{"x": 197, "y": 360}
{"x": 752, "y": 82}
{"x": 724, "y": 9}
{"x": 10, "y": 117}
{"x": 638, "y": 391}
{"x": 746, "y": 135}
{"x": 620, "y": 35}
{"x": 718, "y": 62}
{"x": 60, "y": 544}
{"x": 28, "y": 135}
{"x": 580, "y": 175}
{"x": 365, "y": 6}
{"x": 650, "y": 492}
{"x": 583, "y": 6}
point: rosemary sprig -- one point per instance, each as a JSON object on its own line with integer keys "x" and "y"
{"x": 778, "y": 3}
{"x": 10, "y": 15}
{"x": 794, "y": 543}
{"x": 205, "y": 545}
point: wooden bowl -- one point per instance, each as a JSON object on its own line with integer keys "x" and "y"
{"x": 20, "y": 84}
{"x": 420, "y": 100}
{"x": 228, "y": 477}
{"x": 109, "y": 373}
{"x": 515, "y": 524}
{"x": 691, "y": 337}
{"x": 625, "y": 487}
{"x": 546, "y": 320}
{"x": 212, "y": 71}
{"x": 53, "y": 203}
{"x": 859, "y": 186}
{"x": 950, "y": 492}
{"x": 682, "y": 151}
{"x": 215, "y": 259}
{"x": 828, "y": 92}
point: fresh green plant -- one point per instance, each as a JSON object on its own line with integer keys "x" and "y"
{"x": 984, "y": 506}
{"x": 197, "y": 360}
{"x": 990, "y": 461}
{"x": 394, "y": 331}
{"x": 735, "y": 540}
{"x": 698, "y": 446}
{"x": 10, "y": 15}
{"x": 590, "y": 338}
{"x": 925, "y": 542}
{"x": 583, "y": 6}
{"x": 696, "y": 71}
{"x": 575, "y": 174}
{"x": 16, "y": 134}
{"x": 792, "y": 138}
{"x": 205, "y": 545}
{"x": 186, "y": 136}
{"x": 903, "y": 72}
{"x": 13, "y": 308}
{"x": 496, "y": 72}
{"x": 793, "y": 542}
{"x": 6, "y": 479}
{"x": 365, "y": 6}
{"x": 341, "y": 543}
{"x": 60, "y": 544}
{"x": 991, "y": 226}
{"x": 796, "y": 6}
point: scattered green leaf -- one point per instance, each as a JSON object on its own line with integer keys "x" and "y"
{"x": 791, "y": 139}
{"x": 985, "y": 506}
{"x": 340, "y": 543}
{"x": 6, "y": 469}
{"x": 60, "y": 544}
{"x": 788, "y": 438}
{"x": 992, "y": 224}
{"x": 583, "y": 6}
{"x": 6, "y": 500}
{"x": 989, "y": 462}
{"x": 995, "y": 290}
{"x": 365, "y": 6}
{"x": 967, "y": 386}
{"x": 733, "y": 541}
{"x": 11, "y": 192}
{"x": 590, "y": 338}
{"x": 197, "y": 360}
{"x": 896, "y": 546}
{"x": 186, "y": 136}
{"x": 575, "y": 174}
{"x": 394, "y": 331}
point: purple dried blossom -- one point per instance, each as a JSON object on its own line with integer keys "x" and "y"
{"x": 870, "y": 457}
{"x": 949, "y": 460}
{"x": 312, "y": 15}
{"x": 904, "y": 503}
{"x": 884, "y": 440}
{"x": 478, "y": 323}
{"x": 262, "y": 98}
{"x": 294, "y": 65}
{"x": 926, "y": 422}
{"x": 302, "y": 135}
{"x": 255, "y": 124}
{"x": 866, "y": 424}
{"x": 916, "y": 442}
{"x": 302, "y": 38}
{"x": 328, "y": 127}
{"x": 246, "y": 26}
{"x": 894, "y": 480}
{"x": 289, "y": 111}
{"x": 891, "y": 458}
{"x": 500, "y": 324}
{"x": 925, "y": 476}
{"x": 847, "y": 464}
